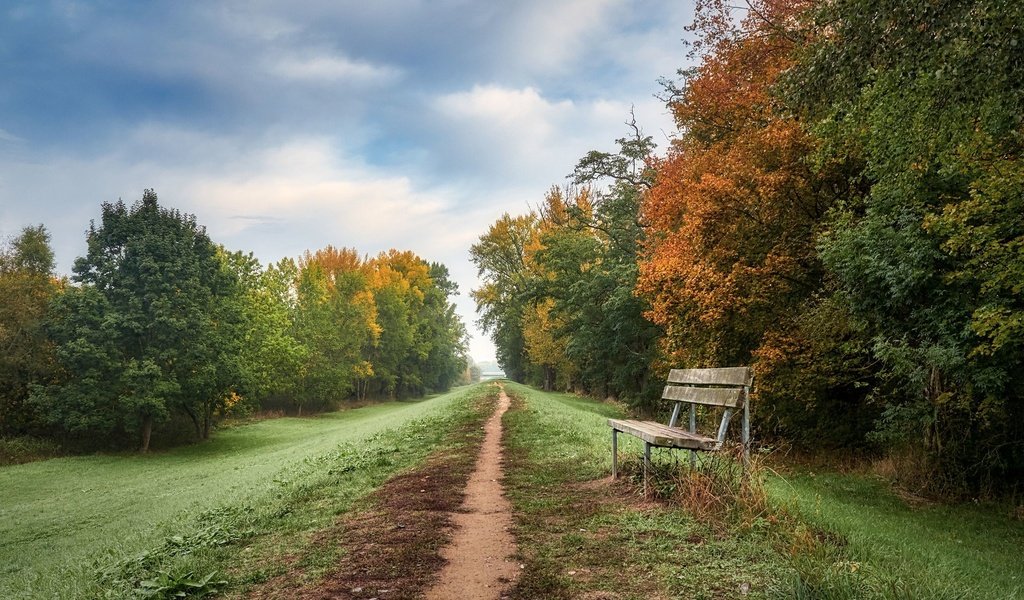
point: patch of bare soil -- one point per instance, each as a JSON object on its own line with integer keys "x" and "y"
{"x": 479, "y": 564}
{"x": 393, "y": 547}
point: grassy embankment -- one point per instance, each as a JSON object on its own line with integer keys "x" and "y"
{"x": 581, "y": 535}
{"x": 148, "y": 525}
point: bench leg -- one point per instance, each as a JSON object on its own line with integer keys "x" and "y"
{"x": 745, "y": 434}
{"x": 615, "y": 453}
{"x": 647, "y": 462}
{"x": 693, "y": 429}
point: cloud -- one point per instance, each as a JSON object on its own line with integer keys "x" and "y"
{"x": 333, "y": 68}
{"x": 524, "y": 112}
{"x": 285, "y": 127}
{"x": 276, "y": 199}
{"x": 551, "y": 36}
{"x": 321, "y": 196}
{"x": 521, "y": 138}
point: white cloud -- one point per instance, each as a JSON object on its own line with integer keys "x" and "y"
{"x": 524, "y": 112}
{"x": 304, "y": 185}
{"x": 332, "y": 68}
{"x": 551, "y": 36}
{"x": 523, "y": 139}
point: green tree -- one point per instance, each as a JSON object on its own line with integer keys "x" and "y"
{"x": 926, "y": 99}
{"x": 422, "y": 340}
{"x": 271, "y": 356}
{"x": 595, "y": 259}
{"x": 500, "y": 258}
{"x": 447, "y": 337}
{"x": 152, "y": 328}
{"x": 336, "y": 321}
{"x": 397, "y": 280}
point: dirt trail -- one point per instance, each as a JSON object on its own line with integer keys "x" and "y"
{"x": 479, "y": 566}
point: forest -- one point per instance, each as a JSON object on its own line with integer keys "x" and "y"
{"x": 842, "y": 207}
{"x": 161, "y": 330}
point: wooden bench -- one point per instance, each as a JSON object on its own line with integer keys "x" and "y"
{"x": 728, "y": 388}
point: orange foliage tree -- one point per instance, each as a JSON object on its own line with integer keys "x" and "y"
{"x": 730, "y": 265}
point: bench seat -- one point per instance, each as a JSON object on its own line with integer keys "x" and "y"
{"x": 725, "y": 388}
{"x": 658, "y": 434}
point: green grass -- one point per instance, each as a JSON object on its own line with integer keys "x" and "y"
{"x": 82, "y": 526}
{"x": 583, "y": 537}
{"x": 903, "y": 551}
{"x": 834, "y": 536}
{"x": 248, "y": 506}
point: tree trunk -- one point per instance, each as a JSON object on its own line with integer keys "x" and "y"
{"x": 933, "y": 390}
{"x": 195, "y": 421}
{"x": 147, "y": 431}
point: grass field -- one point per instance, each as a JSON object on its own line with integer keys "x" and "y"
{"x": 584, "y": 536}
{"x": 895, "y": 550}
{"x": 74, "y": 527}
{"x": 255, "y": 504}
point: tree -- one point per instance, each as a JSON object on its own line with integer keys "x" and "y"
{"x": 730, "y": 265}
{"x": 558, "y": 281}
{"x": 336, "y": 320}
{"x": 271, "y": 356}
{"x": 27, "y": 285}
{"x": 422, "y": 341}
{"x": 595, "y": 260}
{"x": 446, "y": 333}
{"x": 500, "y": 258}
{"x": 546, "y": 349}
{"x": 152, "y": 327}
{"x": 928, "y": 99}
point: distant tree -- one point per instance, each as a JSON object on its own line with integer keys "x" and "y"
{"x": 443, "y": 328}
{"x": 399, "y": 280}
{"x": 500, "y": 257}
{"x": 27, "y": 285}
{"x": 422, "y": 340}
{"x": 152, "y": 328}
{"x": 271, "y": 356}
{"x": 336, "y": 322}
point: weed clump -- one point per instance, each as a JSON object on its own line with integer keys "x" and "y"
{"x": 715, "y": 487}
{"x": 17, "y": 450}
{"x": 716, "y": 490}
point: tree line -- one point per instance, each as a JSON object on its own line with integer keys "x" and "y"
{"x": 842, "y": 206}
{"x": 160, "y": 325}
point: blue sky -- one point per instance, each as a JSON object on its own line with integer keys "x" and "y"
{"x": 286, "y": 126}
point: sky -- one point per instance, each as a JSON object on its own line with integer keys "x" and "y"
{"x": 287, "y": 126}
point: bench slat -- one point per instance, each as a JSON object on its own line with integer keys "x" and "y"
{"x": 658, "y": 434}
{"x": 731, "y": 397}
{"x": 721, "y": 376}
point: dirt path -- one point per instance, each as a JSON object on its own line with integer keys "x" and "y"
{"x": 478, "y": 565}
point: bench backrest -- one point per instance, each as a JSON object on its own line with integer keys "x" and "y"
{"x": 726, "y": 387}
